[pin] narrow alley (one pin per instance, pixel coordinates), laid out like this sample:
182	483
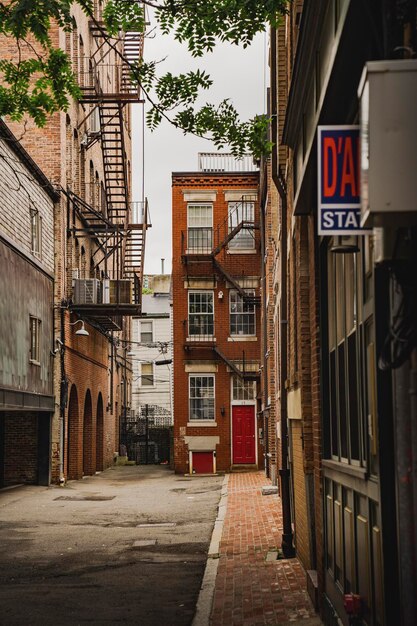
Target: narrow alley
130	546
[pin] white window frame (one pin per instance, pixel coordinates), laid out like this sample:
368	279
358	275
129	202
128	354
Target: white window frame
208	226
35	339
36	233
142	375
244	400
200	336
140	331
236	313
203	420
244	235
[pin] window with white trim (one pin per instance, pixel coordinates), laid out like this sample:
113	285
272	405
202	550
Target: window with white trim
35	333
200	313
147	375
243	389
36	233
242	212
242	314
146	334
200	227
201	397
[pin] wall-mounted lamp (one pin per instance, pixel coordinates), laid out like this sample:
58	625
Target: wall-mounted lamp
81	331
222	411
345	244
220	295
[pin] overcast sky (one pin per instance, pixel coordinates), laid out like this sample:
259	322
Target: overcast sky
238	74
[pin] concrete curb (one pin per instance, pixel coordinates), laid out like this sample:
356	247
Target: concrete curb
206	595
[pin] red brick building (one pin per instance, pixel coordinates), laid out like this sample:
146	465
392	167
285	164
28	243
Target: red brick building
98	242
216	318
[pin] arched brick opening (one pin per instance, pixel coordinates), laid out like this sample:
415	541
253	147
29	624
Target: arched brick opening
89	461
100	435
73	435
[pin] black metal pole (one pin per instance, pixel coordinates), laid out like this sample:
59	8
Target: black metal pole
146	435
284	472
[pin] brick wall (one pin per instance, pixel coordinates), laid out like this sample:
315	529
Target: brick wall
237	265
303	363
302	539
21	441
58	151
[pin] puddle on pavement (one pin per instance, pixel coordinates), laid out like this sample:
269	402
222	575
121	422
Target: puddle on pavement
85	498
157	525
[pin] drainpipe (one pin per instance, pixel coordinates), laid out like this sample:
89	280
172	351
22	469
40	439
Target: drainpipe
62	399
264	336
284	472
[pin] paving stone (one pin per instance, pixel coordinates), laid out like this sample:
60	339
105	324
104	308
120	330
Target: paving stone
253	587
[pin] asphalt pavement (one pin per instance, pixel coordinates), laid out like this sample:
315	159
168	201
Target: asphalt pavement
128	546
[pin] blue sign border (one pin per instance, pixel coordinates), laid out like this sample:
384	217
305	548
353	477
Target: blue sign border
340	206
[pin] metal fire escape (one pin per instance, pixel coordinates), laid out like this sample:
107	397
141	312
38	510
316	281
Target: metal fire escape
204	245
117	225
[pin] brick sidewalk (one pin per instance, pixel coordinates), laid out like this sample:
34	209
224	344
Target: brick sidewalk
249	590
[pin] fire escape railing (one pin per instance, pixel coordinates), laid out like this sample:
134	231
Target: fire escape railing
237	231
118	227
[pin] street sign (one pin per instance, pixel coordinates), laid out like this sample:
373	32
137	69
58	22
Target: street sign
339	203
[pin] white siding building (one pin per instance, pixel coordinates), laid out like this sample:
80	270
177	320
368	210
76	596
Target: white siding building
151	343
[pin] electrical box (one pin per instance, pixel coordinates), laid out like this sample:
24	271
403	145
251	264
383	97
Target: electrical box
388	130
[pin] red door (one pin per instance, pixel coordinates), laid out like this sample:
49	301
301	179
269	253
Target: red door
244	435
203	462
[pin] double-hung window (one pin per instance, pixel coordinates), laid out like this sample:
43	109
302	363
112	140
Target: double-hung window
200	228
200	314
241	217
36	233
147	378
344	374
201	395
146	335
242	314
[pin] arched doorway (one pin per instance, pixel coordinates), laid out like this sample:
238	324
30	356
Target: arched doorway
100	435
89	461
73	435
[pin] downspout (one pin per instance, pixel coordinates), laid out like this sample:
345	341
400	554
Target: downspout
264	335
284	472
62	399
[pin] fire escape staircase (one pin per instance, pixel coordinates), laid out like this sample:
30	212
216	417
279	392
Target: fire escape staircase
223	236
110	97
95	225
241	373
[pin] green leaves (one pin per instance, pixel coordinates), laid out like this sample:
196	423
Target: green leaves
38	80
124	15
37	87
221	124
200	23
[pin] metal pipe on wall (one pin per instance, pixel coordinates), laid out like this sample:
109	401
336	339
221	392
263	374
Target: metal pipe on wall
284	472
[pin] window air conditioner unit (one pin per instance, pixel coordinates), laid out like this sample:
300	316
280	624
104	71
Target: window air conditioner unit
117	291
86	291
94	122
